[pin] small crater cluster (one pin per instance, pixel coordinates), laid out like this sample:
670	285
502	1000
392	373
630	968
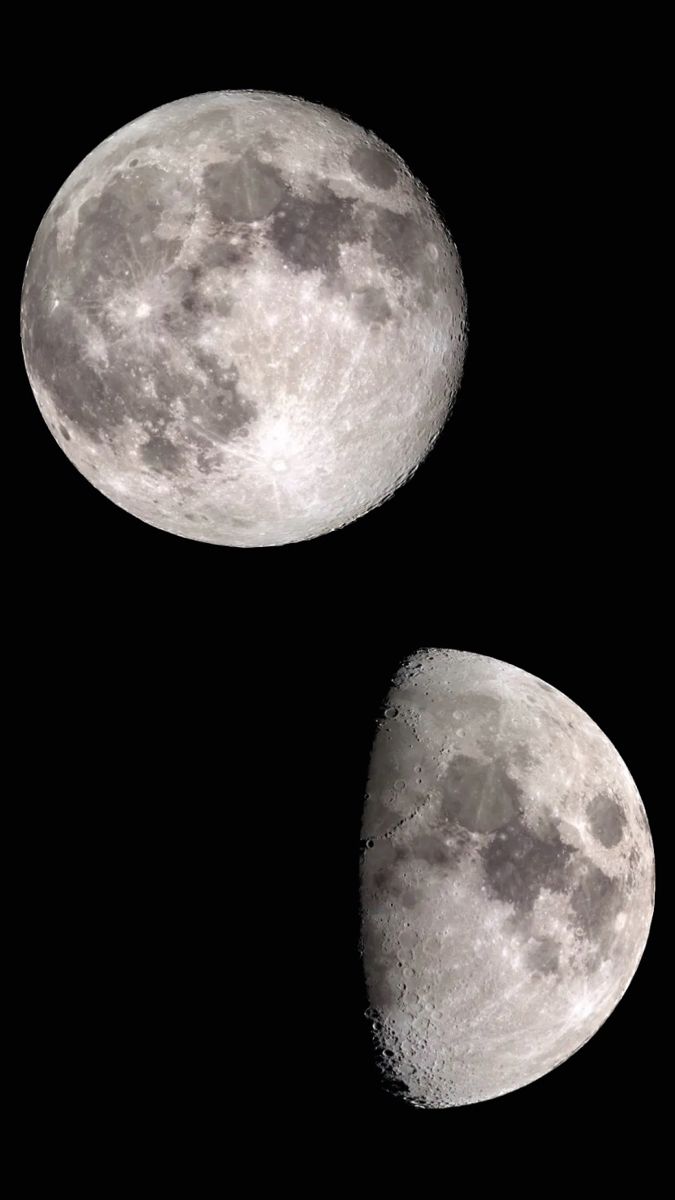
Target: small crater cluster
507	879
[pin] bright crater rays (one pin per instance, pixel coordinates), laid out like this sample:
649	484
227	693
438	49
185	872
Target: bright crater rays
243	319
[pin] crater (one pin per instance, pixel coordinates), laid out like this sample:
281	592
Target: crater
309	233
606	819
374	166
245	190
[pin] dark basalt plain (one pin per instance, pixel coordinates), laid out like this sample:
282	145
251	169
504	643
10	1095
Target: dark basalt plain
178	298
507	879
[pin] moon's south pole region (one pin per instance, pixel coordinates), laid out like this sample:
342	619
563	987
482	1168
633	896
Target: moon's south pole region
507	879
243	319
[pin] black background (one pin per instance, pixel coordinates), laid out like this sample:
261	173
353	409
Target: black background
200	717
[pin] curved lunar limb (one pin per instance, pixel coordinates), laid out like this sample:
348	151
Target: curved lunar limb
243	320
507	879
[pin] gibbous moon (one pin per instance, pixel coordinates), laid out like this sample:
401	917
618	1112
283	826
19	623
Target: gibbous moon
506	883
243	319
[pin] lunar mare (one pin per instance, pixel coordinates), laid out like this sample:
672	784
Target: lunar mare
243	319
507	879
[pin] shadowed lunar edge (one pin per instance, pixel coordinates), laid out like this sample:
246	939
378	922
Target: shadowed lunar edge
244	322
507	879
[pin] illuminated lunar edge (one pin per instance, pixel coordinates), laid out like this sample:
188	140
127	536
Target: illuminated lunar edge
507	879
243	320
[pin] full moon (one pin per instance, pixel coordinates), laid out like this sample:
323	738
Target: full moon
507	879
243	319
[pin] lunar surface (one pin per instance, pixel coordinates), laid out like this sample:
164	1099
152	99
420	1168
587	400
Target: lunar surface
507	879
243	319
